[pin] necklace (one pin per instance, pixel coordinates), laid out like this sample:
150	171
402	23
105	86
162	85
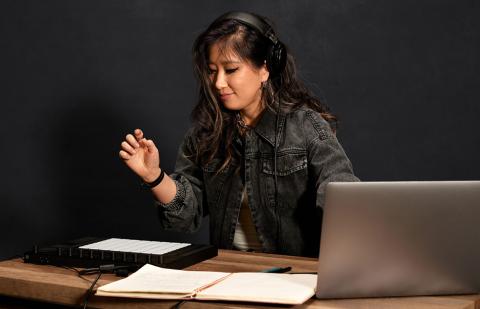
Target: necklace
242	123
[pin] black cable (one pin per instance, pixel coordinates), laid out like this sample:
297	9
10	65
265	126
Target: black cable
107	268
89	271
71	268
78	273
275	148
178	304
89	292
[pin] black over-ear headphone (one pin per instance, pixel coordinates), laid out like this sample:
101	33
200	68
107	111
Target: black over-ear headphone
277	54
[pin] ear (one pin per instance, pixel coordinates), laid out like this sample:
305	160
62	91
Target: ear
264	73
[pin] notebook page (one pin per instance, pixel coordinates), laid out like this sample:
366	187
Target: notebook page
153	279
263	287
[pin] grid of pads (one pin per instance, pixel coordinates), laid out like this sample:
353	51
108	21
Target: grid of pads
135	246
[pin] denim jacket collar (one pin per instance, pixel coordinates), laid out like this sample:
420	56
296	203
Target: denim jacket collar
266	125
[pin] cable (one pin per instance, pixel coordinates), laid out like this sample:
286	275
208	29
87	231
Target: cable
78	273
178	304
89	292
275	148
109	268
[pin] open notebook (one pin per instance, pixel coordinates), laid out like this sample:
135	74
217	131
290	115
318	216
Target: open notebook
162	283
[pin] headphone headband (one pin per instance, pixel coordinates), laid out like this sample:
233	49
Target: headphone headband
252	21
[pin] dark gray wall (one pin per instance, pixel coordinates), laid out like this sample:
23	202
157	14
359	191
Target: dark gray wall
76	76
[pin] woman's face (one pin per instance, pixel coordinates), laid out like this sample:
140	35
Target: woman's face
236	82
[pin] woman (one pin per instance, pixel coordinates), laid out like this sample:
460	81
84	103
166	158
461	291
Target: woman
260	152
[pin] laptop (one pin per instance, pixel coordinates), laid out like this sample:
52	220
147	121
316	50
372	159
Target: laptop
384	239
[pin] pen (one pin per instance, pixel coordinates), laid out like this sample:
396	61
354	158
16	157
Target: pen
277	270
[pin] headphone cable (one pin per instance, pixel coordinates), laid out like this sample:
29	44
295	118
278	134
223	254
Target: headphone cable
275	148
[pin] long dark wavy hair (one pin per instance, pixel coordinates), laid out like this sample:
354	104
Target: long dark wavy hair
214	126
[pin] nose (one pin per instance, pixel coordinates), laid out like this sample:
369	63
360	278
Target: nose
220	80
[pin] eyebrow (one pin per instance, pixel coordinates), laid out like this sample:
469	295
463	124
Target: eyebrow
226	62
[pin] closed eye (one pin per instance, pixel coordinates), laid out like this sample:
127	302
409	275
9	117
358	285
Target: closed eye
230	71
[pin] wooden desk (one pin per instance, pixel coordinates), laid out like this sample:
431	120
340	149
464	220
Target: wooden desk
62	286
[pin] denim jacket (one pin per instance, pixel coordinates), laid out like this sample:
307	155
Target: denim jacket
308	157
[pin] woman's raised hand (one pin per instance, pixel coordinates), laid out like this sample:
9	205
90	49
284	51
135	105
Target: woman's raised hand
141	156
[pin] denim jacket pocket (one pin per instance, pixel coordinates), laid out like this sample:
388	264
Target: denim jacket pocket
286	164
291	183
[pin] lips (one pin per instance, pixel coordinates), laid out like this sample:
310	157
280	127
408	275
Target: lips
225	96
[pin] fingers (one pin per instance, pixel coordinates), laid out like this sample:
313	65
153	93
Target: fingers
148	144
124	155
138	134
129	145
132	141
136	139
151	146
128	148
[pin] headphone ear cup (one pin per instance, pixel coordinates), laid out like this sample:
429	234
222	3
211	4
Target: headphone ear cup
276	59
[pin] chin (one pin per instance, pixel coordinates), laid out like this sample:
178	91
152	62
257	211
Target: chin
232	106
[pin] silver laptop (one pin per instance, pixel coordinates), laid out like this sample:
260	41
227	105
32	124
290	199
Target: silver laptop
400	239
